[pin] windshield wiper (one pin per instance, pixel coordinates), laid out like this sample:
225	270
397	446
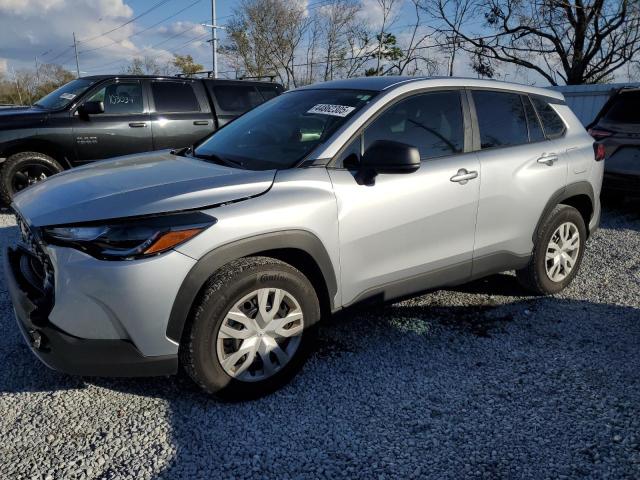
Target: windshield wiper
212	157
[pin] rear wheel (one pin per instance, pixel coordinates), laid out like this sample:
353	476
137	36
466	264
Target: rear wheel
24	169
252	328
557	253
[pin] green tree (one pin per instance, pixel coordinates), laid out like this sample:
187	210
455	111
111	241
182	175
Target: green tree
186	65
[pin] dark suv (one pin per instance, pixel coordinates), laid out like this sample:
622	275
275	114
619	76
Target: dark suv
93	118
617	131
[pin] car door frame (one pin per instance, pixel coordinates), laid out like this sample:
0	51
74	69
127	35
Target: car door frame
430	279
74	115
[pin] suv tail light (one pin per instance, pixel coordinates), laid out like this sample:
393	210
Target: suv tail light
599	151
599	134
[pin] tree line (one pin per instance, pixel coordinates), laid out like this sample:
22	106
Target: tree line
562	41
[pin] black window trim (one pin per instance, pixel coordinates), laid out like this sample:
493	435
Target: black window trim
152	102
525	98
466	118
100	85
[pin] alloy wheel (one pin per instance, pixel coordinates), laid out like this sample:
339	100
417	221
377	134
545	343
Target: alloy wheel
260	334
30	174
562	251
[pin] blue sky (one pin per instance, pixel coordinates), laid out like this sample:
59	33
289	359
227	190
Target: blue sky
112	32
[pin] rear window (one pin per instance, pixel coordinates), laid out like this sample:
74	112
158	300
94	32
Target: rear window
174	97
268	92
237	98
624	108
551	122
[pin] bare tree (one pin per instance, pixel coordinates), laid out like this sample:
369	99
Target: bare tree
570	41
389	17
268	34
413	59
338	20
146	66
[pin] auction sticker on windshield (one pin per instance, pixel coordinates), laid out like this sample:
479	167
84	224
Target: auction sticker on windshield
333	110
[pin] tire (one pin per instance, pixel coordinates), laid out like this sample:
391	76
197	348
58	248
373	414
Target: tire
21	164
537	275
204	346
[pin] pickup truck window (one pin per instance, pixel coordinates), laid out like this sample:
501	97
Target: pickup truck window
63	96
281	132
172	97
120	98
237	98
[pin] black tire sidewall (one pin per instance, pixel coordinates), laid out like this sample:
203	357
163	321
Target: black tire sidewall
565	214
211	313
18	161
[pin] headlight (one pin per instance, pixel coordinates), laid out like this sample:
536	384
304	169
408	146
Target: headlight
130	238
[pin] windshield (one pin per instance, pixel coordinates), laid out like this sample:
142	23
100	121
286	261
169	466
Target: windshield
282	131
63	96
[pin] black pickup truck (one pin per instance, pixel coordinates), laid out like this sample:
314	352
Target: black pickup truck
97	117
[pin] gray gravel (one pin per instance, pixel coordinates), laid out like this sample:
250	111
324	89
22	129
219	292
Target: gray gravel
477	382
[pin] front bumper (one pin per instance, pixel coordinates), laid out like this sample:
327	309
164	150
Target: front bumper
67	353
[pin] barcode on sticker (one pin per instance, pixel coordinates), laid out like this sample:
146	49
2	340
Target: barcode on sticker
334	110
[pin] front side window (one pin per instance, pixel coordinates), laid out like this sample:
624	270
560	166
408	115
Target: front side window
551	122
120	98
431	122
501	119
281	132
174	97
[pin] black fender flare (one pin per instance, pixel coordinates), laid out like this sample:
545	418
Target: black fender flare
568	191
220	256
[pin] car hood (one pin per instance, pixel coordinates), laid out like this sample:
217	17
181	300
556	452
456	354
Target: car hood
150	183
16	117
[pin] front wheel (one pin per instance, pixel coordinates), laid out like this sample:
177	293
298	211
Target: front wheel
557	252
251	329
24	169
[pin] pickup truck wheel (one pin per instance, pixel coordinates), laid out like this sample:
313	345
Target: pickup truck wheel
251	329
22	170
557	252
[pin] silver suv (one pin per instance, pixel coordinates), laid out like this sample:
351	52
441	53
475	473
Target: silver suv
223	257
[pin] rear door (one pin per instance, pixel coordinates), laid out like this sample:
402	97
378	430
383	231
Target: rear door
180	113
522	168
122	129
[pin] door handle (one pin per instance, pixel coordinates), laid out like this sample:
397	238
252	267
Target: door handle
137	124
463	176
201	122
549	159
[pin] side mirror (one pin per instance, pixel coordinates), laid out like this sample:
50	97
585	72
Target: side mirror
386	156
91	108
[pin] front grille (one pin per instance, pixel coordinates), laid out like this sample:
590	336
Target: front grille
41	274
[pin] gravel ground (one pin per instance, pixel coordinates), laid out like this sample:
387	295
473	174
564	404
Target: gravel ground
480	381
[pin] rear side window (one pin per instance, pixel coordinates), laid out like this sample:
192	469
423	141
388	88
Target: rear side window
268	92
431	122
237	98
501	119
535	129
624	108
551	122
174	97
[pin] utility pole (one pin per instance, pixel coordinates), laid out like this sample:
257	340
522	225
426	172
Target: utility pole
75	47
214	38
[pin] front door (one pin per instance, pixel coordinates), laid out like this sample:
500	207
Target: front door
122	129
404	233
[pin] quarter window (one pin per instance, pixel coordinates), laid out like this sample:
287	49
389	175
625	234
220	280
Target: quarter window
431	122
120	98
237	98
174	97
501	119
551	122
